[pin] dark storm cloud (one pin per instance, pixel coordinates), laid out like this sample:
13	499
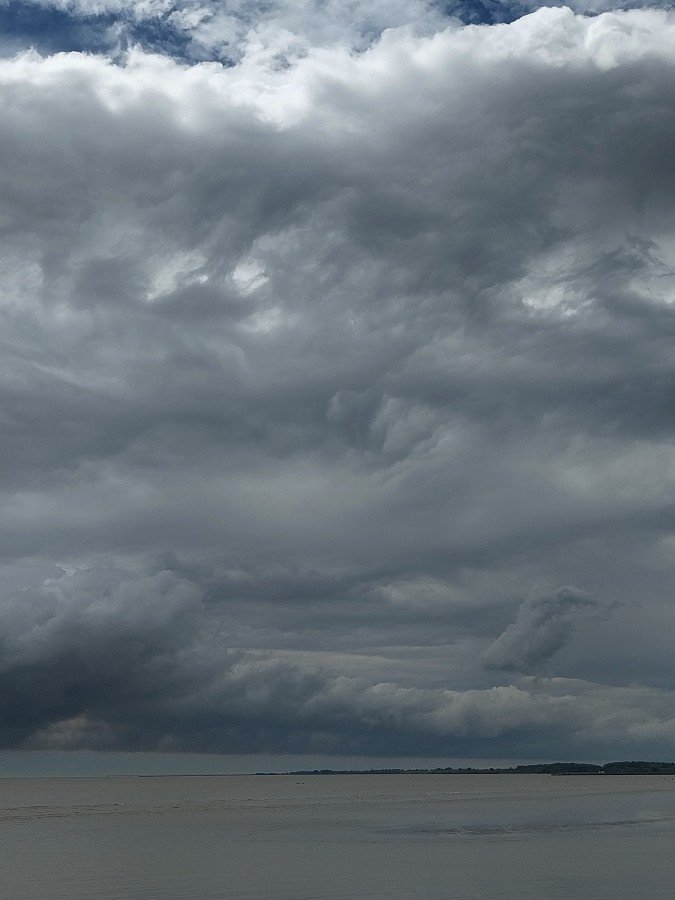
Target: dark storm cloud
135	660
311	372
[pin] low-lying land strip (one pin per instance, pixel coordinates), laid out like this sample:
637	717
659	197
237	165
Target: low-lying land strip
639	767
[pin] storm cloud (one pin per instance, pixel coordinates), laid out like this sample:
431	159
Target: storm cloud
315	364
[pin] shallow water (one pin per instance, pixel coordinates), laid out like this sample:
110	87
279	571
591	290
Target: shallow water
455	837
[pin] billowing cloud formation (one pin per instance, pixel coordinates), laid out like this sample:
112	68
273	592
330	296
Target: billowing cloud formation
311	371
132	660
542	627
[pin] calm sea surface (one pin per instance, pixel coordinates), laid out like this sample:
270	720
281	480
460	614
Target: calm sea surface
455	837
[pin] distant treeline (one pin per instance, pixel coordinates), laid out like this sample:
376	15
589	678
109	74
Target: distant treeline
635	767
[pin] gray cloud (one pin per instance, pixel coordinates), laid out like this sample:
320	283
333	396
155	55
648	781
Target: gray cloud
542	627
311	372
137	660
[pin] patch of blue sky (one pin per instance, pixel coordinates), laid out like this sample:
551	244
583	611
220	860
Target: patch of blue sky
486	12
158	35
48	30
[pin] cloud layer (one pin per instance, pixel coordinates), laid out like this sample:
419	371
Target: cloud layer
316	366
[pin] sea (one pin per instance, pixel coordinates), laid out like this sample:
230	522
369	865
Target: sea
323	837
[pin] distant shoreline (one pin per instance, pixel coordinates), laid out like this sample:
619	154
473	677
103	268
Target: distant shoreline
635	767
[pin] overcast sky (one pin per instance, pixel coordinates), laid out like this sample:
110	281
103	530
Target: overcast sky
337	378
